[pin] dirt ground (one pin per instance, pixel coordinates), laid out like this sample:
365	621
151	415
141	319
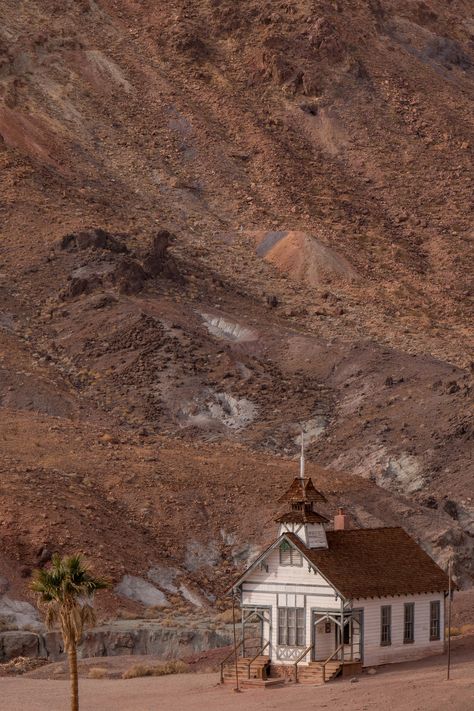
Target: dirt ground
419	686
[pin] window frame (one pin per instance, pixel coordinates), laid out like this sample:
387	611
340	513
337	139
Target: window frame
409	623
435	605
295	558
291	626
385	626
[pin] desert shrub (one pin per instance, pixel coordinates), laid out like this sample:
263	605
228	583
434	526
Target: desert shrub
226	617
168	622
137	670
8	624
174	667
128	615
97	673
155	611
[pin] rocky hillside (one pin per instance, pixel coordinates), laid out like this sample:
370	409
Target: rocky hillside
220	222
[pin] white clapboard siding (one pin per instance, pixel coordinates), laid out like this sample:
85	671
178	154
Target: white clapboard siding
291	586
375	653
287	575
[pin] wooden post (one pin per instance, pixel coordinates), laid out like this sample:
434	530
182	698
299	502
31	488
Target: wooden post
450	568
235	646
352	634
342	634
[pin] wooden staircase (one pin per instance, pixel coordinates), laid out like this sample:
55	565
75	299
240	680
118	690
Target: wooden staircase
256	668
312	673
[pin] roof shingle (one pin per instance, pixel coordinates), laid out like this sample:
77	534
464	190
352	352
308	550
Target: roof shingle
375	562
302	490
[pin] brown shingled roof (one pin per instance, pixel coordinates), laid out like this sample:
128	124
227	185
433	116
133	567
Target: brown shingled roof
302	490
375	562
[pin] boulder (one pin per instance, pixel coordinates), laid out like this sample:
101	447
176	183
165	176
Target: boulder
18	613
16	643
129	276
95	238
164	577
141	591
158	261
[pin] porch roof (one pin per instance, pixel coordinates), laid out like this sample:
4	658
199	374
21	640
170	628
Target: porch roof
375	562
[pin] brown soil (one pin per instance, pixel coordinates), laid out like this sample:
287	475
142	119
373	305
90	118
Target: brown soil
346	127
418	686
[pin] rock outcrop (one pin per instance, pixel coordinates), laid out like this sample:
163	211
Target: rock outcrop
117	638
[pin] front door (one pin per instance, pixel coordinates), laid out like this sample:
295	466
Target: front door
323	637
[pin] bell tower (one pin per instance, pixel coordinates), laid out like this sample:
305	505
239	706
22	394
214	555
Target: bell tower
302	520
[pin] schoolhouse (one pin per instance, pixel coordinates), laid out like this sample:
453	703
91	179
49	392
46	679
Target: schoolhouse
324	599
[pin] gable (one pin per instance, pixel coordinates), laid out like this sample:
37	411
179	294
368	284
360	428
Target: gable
269	568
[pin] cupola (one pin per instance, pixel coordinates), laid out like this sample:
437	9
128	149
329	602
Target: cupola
302	519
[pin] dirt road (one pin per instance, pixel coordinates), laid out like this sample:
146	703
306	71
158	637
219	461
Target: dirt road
409	687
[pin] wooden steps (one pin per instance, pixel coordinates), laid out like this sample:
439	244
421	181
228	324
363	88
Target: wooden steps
312	673
261	683
242	667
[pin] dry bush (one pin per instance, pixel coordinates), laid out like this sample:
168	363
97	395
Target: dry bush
455	631
226	617
8	626
127	615
181	609
168	622
137	670
97	673
174	667
155	611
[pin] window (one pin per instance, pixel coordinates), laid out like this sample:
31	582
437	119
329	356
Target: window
409	623
291	626
386	625
435	619
289	555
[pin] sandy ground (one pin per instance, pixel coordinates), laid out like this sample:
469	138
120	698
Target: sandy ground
420	686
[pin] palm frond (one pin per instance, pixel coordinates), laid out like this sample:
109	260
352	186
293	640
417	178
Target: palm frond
65	590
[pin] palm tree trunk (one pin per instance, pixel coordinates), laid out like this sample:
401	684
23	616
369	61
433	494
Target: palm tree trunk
72	656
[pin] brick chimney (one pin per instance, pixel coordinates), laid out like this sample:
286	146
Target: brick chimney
341	520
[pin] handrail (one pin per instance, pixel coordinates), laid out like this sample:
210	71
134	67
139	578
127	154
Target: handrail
303	654
262	649
323	664
232	652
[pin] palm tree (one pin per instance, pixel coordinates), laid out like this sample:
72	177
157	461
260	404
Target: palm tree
65	591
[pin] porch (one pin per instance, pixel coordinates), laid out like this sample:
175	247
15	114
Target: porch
264	650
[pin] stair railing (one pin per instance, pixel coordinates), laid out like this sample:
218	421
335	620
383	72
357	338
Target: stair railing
336	651
262	649
232	652
303	654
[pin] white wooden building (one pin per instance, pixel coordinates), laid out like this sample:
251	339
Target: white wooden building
324	599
